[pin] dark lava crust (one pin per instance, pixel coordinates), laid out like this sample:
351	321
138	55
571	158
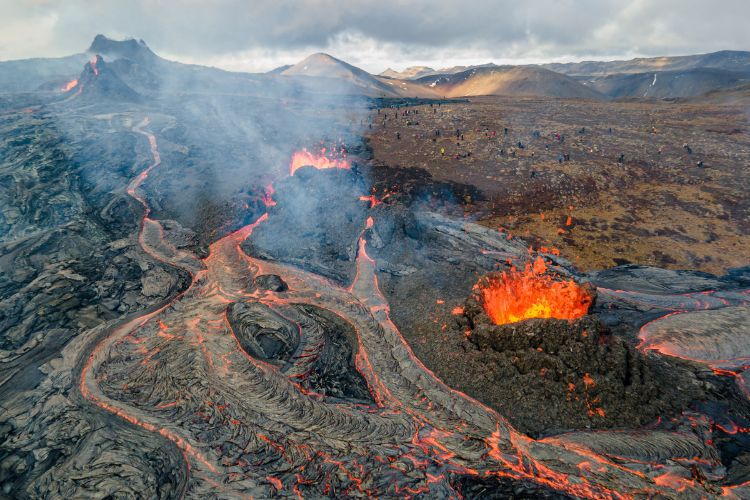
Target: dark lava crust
275	337
583	373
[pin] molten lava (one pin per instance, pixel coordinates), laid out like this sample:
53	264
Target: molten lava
531	293
321	160
70	85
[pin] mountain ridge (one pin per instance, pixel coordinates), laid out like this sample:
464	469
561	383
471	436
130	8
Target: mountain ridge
145	72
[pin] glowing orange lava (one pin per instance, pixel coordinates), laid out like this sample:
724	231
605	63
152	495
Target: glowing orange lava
531	293
70	85
319	160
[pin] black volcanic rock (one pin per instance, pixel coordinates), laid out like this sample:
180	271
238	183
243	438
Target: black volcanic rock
271	282
277	338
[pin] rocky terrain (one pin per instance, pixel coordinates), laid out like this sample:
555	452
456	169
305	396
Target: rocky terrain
664	204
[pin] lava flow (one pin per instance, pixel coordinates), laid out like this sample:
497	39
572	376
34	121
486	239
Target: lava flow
225	394
321	160
69	85
517	295
92	63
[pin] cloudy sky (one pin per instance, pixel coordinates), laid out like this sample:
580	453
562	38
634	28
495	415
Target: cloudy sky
253	35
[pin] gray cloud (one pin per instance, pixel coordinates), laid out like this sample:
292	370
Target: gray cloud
254	35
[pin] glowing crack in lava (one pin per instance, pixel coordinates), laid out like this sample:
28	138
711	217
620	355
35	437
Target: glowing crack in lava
322	160
531	293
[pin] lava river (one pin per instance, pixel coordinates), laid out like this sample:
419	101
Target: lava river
248	427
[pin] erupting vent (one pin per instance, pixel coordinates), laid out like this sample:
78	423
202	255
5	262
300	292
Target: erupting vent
531	293
321	160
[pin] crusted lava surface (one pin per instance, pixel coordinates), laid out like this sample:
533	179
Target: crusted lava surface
587	376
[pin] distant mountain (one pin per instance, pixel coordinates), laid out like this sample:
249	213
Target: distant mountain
417	72
655	77
730	60
342	77
410	73
666	84
279	70
508	80
133	71
327	66
461	69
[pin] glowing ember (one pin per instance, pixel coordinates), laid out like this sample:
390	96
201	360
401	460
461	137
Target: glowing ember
70	85
319	160
531	293
373	201
268	192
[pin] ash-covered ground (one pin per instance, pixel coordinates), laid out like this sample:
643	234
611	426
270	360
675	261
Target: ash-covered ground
184	315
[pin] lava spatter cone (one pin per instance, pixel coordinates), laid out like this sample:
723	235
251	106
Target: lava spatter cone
518	309
540	341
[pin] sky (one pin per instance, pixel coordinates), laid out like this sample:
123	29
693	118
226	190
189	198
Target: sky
250	35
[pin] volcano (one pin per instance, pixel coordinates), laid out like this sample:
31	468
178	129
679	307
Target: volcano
321	283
